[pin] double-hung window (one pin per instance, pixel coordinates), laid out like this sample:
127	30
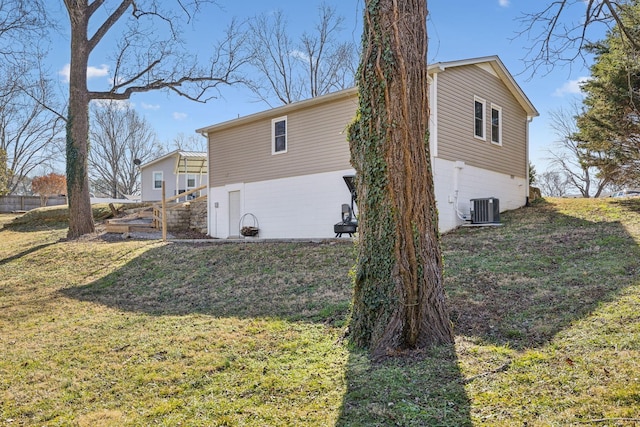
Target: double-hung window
496	124
157	180
191	181
279	135
479	117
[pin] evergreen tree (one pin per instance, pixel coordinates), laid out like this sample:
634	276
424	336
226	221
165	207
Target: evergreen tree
609	127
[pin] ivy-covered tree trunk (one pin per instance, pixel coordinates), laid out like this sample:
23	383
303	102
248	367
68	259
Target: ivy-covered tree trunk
399	296
80	215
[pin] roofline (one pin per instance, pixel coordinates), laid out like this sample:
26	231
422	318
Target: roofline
502	71
169	155
282	110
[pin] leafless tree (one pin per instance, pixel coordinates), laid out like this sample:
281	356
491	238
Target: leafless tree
26	126
573	160
189	142
29	130
150	55
560	41
22	24
292	69
553	183
118	137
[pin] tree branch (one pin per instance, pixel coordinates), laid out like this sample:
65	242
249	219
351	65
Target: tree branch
108	23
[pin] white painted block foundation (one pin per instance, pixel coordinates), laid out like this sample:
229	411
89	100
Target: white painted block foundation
308	206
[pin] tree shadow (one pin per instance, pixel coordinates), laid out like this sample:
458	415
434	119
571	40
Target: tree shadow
510	290
420	389
298	283
295	282
516	285
19	255
630	204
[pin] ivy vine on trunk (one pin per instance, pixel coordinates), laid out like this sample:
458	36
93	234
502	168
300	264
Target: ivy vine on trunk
399	295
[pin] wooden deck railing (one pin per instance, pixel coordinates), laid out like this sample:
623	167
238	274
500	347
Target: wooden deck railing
159	210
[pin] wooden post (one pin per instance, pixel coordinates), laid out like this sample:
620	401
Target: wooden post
164	215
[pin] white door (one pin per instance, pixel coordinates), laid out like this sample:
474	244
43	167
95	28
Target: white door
234	213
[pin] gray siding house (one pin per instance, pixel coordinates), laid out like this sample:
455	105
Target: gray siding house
180	170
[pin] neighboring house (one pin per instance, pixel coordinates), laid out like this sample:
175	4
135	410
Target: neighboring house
286	165
180	170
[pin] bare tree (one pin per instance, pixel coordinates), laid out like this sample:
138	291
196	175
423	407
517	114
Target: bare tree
556	41
150	55
22	24
119	136
330	64
26	126
28	129
553	183
292	70
572	159
189	142
398	299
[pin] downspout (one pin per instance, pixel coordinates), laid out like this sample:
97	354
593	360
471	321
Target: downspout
206	135
526	144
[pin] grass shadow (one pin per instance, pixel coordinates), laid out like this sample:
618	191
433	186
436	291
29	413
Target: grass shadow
426	389
630	204
19	255
296	282
522	283
517	285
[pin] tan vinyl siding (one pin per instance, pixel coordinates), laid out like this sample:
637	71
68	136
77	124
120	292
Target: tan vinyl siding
456	90
316	142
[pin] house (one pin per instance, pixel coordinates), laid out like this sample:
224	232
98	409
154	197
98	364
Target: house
285	166
180	170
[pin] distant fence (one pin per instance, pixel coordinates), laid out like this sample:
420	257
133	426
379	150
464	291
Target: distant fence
26	203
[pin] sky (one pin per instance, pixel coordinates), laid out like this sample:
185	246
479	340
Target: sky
457	29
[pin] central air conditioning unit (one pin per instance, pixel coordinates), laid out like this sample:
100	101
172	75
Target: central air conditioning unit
485	211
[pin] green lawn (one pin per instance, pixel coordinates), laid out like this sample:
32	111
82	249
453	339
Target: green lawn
104	332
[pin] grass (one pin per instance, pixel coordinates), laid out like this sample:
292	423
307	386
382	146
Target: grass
546	311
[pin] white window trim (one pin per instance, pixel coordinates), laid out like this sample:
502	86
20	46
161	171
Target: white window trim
195	181
484	118
499	110
153	179
273	135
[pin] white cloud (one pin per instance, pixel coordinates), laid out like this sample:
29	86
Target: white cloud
101	71
146	106
504	3
179	116
572	87
120	104
66	70
298	54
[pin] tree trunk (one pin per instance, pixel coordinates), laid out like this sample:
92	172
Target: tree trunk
80	214
399	294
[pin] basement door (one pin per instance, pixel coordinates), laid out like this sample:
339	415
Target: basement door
234	214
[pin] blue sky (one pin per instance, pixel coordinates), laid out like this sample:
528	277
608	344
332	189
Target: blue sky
458	29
